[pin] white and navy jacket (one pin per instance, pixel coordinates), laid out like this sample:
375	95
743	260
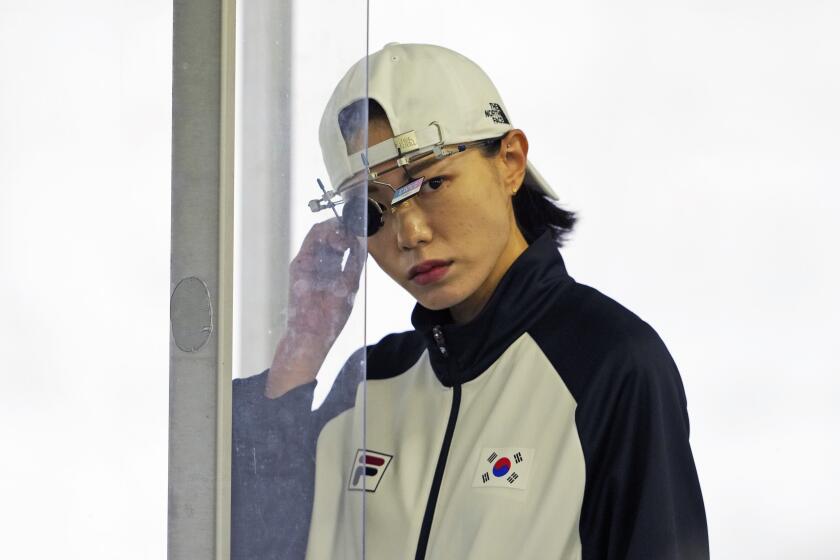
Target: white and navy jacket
552	426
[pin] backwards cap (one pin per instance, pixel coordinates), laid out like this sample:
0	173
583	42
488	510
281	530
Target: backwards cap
431	95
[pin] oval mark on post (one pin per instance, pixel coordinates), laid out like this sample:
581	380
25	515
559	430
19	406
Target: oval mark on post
191	314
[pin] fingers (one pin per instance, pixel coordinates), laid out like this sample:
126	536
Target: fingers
332	234
337	236
329	232
322	250
317	268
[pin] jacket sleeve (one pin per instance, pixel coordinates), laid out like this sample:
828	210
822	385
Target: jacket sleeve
642	499
272	474
273	470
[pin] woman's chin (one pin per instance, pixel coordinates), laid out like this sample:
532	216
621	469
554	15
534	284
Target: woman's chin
438	299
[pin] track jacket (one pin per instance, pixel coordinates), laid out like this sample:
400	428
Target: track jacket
552	426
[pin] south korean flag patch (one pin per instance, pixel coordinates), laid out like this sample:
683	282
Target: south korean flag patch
504	467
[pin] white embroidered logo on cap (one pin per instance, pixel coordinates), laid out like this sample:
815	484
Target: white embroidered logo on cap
503	467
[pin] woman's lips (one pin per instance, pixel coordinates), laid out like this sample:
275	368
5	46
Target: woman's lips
428	272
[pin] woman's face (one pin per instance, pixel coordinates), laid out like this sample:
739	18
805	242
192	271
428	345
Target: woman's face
450	245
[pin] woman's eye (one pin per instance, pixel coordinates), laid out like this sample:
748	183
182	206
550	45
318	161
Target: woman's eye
434	183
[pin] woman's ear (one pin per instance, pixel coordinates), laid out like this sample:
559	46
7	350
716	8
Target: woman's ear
513	156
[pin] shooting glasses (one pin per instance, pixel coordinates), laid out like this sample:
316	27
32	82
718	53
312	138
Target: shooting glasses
364	216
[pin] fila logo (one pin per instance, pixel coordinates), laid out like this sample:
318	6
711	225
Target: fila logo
367	469
504	467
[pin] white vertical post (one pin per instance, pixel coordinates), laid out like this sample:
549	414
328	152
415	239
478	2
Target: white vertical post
201	279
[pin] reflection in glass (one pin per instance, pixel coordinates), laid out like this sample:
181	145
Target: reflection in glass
299	295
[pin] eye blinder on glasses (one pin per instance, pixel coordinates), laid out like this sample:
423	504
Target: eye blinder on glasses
353	213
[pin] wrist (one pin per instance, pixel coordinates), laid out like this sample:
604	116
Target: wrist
297	359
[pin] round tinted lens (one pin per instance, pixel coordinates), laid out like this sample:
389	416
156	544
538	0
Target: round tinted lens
361	216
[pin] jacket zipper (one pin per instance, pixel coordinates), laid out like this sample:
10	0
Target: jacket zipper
437	334
431	503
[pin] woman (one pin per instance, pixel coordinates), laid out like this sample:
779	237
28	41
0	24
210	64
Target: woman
525	415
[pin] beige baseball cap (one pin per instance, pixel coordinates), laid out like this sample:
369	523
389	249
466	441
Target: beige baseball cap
432	97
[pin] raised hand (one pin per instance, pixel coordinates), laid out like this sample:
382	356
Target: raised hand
321	296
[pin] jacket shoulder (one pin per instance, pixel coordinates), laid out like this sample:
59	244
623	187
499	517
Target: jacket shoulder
389	357
394	354
587	336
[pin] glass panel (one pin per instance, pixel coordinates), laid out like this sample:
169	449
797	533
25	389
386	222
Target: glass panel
299	289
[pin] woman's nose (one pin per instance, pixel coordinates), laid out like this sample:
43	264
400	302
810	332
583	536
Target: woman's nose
412	225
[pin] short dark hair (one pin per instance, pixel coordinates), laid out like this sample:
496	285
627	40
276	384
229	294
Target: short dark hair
534	212
354	117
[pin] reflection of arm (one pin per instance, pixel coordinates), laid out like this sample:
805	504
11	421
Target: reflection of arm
273	470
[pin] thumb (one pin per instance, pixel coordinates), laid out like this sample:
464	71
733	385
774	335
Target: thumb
353	268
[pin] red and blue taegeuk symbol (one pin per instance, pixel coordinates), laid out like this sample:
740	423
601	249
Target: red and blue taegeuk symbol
501	467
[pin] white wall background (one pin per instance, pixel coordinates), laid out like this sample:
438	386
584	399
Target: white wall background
698	140
85	124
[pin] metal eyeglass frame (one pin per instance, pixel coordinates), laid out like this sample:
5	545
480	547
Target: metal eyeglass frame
332	198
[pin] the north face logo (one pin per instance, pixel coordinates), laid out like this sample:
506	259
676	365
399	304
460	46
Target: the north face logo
497	114
367	470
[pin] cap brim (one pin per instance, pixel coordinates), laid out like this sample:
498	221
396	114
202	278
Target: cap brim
535	181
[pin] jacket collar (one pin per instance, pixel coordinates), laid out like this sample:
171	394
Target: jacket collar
460	353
